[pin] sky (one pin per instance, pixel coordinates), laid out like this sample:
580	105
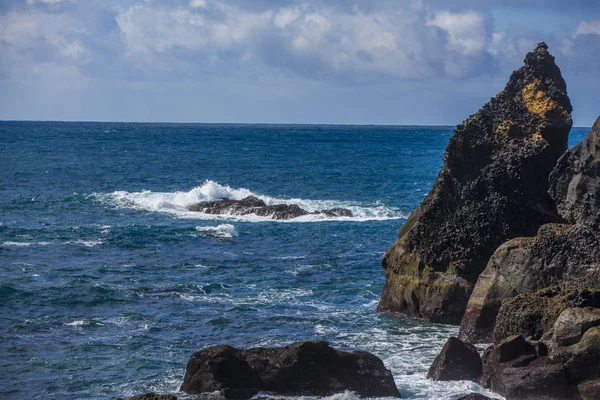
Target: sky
405	62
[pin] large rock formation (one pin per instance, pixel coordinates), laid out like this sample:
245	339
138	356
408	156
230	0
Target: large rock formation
492	188
575	182
560	254
253	205
300	369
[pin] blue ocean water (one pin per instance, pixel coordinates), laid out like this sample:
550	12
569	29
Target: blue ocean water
108	285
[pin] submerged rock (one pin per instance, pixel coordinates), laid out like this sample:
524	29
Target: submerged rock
492	187
457	361
253	205
299	369
575	182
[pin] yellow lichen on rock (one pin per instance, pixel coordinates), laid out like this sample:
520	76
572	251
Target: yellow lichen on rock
536	101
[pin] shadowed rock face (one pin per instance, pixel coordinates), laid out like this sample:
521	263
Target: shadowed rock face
255	206
575	182
300	369
457	361
493	187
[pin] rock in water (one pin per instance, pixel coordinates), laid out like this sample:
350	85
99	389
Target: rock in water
575	182
256	206
457	361
300	369
493	187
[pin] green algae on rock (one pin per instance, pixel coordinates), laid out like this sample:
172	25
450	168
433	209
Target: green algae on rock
492	188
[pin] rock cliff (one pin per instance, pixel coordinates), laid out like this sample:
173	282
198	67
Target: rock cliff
566	255
492	187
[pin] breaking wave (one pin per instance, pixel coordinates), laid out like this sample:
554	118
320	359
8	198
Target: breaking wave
177	202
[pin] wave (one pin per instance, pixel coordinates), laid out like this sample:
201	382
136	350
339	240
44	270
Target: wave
177	202
221	231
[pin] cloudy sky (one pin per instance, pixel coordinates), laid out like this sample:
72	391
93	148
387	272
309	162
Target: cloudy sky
285	61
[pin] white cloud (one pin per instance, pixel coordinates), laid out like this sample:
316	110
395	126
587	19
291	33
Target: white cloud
30	31
466	31
588	28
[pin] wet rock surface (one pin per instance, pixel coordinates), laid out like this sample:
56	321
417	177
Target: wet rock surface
299	369
253	205
492	187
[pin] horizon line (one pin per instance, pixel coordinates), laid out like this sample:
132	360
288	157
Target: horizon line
234	123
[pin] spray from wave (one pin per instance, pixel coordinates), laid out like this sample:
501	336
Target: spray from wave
177	203
221	231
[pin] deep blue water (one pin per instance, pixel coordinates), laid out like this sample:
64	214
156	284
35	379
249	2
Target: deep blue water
107	284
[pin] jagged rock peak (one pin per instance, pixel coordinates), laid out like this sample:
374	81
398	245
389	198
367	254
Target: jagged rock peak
492	188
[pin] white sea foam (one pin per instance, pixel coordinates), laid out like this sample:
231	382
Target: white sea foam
177	203
24	244
86	243
220	231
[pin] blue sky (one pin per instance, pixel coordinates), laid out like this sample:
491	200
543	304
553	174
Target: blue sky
427	62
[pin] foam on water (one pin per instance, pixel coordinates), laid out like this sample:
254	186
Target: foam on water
221	231
177	202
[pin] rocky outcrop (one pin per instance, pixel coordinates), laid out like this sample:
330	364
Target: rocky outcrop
560	255
300	369
570	370
457	361
253	205
492	188
534	314
575	182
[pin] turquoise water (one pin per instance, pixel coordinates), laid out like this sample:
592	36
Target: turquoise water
108	285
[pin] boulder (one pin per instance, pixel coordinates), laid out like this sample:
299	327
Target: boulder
492	188
221	368
539	379
589	390
560	255
456	361
253	205
572	323
575	181
584	360
300	369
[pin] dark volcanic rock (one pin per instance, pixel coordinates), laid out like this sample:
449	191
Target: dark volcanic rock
514	347
474	396
300	369
560	255
493	187
254	205
154	396
575	182
221	368
456	361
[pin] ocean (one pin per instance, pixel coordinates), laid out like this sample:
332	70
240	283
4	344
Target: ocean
108	284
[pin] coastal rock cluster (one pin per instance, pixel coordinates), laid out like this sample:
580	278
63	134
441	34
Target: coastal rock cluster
254	205
508	244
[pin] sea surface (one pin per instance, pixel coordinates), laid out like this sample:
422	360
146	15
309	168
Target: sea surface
108	284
